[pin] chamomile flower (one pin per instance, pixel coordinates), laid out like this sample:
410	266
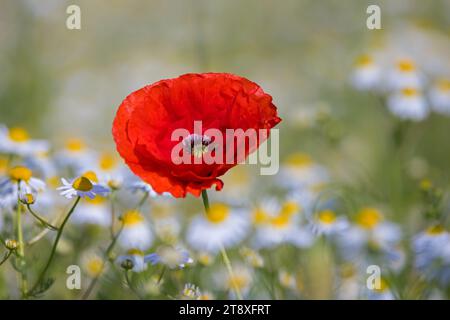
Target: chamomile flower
82	187
252	257
366	74
432	254
440	97
190	292
369	235
408	104
326	222
109	170
242	278
222	226
136	232
17	141
277	223
19	178
381	293
94	211
170	257
75	156
405	74
300	171
93	264
134	258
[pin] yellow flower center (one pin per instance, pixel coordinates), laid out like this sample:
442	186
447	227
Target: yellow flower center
383	286
218	212
20	173
327	216
238	281
53	181
260	216
18	134
289	209
435	230
136	252
75	145
132	217
425	184
368	218
281	221
444	85
82	184
107	162
410	92
364	60
406	66
96	201
3	165
94	266
299	160
91	176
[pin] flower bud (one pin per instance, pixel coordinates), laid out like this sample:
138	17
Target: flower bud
11	244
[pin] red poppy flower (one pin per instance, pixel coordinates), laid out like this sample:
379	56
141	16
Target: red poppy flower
147	118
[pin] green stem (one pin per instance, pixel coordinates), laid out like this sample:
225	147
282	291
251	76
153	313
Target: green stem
161	275
55	245
21	247
41	220
226	260
105	257
7	255
130	285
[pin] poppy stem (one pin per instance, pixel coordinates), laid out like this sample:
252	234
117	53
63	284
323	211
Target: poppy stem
225	258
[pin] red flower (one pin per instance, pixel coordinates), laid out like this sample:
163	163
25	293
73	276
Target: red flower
146	119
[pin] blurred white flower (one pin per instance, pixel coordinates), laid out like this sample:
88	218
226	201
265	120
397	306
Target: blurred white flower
440	97
405	74
408	104
221	226
169	256
136	233
92	211
366	74
17	141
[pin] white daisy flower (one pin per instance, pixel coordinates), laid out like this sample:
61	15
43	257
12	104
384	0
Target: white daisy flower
93	212
134	259
366	74
326	222
170	257
278	223
300	171
93	264
17	141
408	104
404	75
370	234
221	226
242	279
190	292
75	156
381	293
136	233
440	97
82	187
432	254
19	177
